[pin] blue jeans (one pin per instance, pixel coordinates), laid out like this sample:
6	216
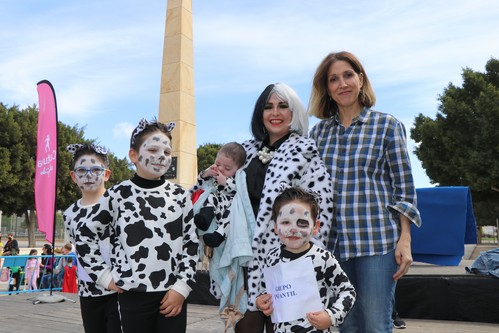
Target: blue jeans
58	278
372	278
46	280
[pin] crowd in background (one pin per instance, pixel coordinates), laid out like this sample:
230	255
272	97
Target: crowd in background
54	269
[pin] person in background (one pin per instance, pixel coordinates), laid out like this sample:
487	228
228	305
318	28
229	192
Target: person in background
278	152
46	265
11	247
397	321
1	247
32	269
295	214
16	276
366	154
69	282
90	172
67	249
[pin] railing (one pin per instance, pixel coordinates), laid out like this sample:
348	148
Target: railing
488	234
14	279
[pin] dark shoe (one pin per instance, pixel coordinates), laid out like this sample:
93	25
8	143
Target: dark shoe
213	239
398	323
203	219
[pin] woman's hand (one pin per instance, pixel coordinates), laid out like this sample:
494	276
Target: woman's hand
264	304
319	319
171	304
403	255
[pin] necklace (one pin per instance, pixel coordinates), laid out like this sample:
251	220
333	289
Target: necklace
265	155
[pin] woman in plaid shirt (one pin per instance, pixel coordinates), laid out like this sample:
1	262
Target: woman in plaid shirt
365	152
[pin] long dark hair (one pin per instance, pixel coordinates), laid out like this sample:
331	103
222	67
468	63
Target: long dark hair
257	128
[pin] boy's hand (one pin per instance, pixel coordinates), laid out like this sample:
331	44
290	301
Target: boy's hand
171	304
113	286
264	304
320	319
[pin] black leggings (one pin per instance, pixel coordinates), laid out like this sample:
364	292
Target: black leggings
100	314
15	281
139	312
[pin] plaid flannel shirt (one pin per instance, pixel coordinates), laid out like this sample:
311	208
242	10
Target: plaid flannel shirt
372	182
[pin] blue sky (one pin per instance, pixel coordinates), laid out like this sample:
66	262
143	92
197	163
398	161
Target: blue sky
104	57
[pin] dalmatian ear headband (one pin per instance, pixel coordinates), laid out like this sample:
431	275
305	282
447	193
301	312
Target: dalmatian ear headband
284	186
143	124
75	147
170	126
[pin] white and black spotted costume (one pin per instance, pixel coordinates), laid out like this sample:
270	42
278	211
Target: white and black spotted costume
336	292
76	220
297	163
153	240
219	199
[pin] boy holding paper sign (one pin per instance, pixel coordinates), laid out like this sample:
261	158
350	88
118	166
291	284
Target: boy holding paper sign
283	296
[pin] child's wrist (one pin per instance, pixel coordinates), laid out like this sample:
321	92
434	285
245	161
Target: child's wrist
203	174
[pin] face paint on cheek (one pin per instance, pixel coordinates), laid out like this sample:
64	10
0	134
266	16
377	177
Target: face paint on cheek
294	225
290	232
99	180
88	182
154	155
168	162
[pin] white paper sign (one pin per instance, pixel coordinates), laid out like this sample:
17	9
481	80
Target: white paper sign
294	290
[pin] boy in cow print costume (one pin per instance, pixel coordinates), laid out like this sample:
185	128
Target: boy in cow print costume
153	238
295	214
90	171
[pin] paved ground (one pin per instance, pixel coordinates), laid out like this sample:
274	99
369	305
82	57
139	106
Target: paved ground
19	314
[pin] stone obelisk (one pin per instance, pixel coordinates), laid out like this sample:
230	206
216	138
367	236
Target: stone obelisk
176	102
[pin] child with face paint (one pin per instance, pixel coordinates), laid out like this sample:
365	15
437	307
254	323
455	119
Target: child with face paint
153	238
295	214
219	181
90	171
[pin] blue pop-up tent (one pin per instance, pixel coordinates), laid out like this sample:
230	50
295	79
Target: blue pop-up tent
448	224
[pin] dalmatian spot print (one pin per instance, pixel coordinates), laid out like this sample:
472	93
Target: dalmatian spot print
297	163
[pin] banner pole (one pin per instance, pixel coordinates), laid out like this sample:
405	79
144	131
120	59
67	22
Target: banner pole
55	193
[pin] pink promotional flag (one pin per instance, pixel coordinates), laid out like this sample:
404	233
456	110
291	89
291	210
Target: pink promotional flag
46	160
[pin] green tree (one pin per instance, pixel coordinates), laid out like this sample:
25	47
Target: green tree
207	154
120	169
461	145
9	133
19	155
